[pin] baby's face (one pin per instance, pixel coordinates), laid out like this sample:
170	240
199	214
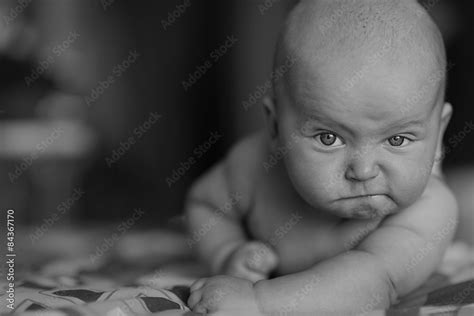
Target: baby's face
362	149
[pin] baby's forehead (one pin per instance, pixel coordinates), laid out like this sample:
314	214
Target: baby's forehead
357	74
383	91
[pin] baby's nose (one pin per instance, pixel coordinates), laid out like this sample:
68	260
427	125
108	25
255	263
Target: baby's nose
362	168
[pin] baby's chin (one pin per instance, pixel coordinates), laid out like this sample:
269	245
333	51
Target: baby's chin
367	207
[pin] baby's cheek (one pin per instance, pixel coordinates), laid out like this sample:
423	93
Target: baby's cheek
314	180
324	178
409	187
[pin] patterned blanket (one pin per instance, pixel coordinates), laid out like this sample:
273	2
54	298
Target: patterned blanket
78	273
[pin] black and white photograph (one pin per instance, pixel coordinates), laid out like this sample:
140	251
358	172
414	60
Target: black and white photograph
236	157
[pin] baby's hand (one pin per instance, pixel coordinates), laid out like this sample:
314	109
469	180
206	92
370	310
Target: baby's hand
252	261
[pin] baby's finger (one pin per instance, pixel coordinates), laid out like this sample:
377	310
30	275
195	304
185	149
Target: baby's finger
194	298
248	274
255	277
263	261
197	284
200	308
270	261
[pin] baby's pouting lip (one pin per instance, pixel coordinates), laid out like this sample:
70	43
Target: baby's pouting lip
367	205
363	196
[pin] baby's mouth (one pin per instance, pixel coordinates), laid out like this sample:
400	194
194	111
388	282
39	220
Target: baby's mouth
362	196
367	205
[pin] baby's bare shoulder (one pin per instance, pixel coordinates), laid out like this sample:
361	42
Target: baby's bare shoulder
243	165
232	178
247	155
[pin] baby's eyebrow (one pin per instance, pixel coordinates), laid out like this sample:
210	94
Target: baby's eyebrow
402	124
315	118
397	125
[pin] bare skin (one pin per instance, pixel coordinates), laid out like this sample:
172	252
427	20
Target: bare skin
316	240
352	205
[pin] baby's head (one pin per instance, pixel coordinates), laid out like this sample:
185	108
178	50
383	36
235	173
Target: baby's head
362	107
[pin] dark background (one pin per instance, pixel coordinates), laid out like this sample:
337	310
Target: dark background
109	30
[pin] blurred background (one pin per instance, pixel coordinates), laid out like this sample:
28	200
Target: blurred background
107	106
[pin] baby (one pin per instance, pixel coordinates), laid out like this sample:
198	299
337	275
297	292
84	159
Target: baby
339	206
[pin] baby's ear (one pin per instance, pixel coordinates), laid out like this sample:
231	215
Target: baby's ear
446	114
270	116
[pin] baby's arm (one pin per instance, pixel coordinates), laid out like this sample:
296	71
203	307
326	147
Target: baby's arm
392	261
213	218
215	207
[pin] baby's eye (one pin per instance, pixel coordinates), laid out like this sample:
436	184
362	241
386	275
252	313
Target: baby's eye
398	141
329	139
